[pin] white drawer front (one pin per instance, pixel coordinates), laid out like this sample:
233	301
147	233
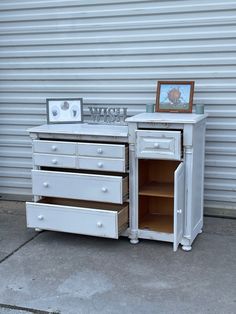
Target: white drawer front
51	160
102	164
80	186
159	144
89	221
55	147
101	150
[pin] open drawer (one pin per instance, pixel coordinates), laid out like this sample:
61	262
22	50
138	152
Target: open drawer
77	185
89	218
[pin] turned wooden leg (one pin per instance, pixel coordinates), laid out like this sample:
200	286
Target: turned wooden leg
133	237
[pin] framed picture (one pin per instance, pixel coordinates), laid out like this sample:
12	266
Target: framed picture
173	96
64	110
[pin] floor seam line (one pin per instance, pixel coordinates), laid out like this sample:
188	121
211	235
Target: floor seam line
26	309
18	248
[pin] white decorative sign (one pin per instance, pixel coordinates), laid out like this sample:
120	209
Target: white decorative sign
108	114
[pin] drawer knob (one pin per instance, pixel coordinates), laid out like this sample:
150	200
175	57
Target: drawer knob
100	164
40	217
54	161
45	184
156	145
54	147
100	151
179	211
104	189
99	224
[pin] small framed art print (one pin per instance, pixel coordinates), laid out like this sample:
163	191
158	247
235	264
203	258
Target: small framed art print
175	96
64	110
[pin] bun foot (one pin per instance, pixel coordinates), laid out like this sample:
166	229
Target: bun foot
38	229
134	241
186	248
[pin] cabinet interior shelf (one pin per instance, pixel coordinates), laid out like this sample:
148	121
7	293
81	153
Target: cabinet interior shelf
157	189
155	222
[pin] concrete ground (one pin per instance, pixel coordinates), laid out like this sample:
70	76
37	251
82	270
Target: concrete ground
52	272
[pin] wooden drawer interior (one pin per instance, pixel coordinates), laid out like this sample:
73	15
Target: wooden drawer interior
80	203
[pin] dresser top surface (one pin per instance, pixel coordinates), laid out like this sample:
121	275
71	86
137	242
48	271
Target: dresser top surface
160	117
82	129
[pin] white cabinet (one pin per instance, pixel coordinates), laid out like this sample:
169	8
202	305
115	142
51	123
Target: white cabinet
166	155
79	180
144	180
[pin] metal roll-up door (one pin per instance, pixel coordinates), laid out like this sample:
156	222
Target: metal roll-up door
114	51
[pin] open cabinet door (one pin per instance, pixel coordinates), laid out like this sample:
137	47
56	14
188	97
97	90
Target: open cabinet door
179	189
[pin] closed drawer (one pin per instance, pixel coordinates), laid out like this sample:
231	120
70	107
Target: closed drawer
52	160
55	147
102	164
102	188
90	218
102	150
158	144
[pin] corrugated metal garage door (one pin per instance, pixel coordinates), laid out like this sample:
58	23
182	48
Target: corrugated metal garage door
114	52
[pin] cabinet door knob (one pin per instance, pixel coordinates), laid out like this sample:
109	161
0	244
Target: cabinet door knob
54	161
100	164
40	217
54	147
179	211
45	184
104	189
99	224
100	151
156	145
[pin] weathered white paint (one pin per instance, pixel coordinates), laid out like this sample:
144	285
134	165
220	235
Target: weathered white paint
95	187
80	201
188	177
179	204
159	144
76	219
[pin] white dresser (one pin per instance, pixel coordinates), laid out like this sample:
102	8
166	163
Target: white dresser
144	180
166	153
80	179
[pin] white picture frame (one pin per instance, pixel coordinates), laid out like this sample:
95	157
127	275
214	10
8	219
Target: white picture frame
66	110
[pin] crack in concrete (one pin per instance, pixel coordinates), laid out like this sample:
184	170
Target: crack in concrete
17	249
26	309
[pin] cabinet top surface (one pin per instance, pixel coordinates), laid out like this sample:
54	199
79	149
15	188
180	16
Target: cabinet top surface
160	117
82	129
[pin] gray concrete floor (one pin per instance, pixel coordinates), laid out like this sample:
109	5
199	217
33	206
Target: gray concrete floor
52	272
